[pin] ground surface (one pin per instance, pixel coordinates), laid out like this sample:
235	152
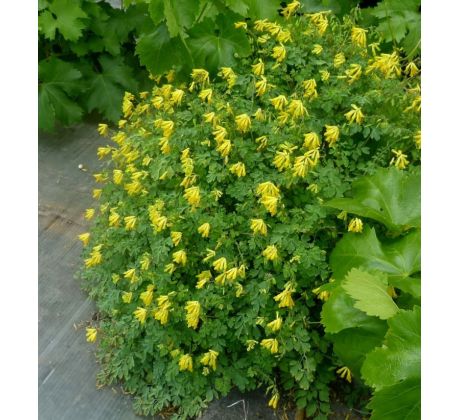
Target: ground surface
67	367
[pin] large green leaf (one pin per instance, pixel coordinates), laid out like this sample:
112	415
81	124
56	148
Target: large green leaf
66	16
399	258
180	15
106	89
214	44
352	344
370	293
263	9
159	52
399	358
401	401
390	196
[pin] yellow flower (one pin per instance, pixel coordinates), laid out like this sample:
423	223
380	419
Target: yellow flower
313	188
204	230
114	218
353	73
95	257
317	49
301	166
279	102
103	130
103	151
297	109
345	373
270	203
220	264
206	95
290	9
210	117
130	275
259	226
261	86
250	344
239	25
262	141
200	76
84	237
273	403
268	188
170	268
355	225
270	253
117	176
310	88
418	139
193	309
145	262
211	254
180	257
209	359
162	312
331	134
259	115
270	344
130	222
322	295
220	279
176	237
239	169
122	123
192	195
232	274
354	115
91	335
358	36
203	278
411	69
339	59
279	53
140	314
243	123
399	160
147	296
186	363
282	160
311	140
284	298
126	297
176	96
259	68
224	148
97	193
239	289
324	75
219	134
276	324
217	194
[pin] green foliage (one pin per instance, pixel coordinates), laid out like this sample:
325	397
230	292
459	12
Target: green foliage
206	243
386	355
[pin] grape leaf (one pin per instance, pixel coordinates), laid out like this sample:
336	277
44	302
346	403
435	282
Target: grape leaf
180	15
159	52
106	89
370	293
393	28
399	358
65	16
238	6
214	44
399	258
156	11
390	196
263	9
400	401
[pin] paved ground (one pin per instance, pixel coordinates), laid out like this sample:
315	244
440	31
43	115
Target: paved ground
67	367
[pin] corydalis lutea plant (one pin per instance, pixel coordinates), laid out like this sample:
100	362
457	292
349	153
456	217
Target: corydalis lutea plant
211	234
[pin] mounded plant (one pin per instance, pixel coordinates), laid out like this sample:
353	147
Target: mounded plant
211	233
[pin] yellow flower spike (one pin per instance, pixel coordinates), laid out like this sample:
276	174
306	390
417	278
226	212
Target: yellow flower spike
216	194
358	36
103	130
345	373
180	257
311	140
95	257
282	160
301	166
203	278
418	139
186	363
103	151
97	193
122	123
310	89
259	115
279	102
232	274
262	141
84	237
210	117
192	195
270	253
399	160
115	278
354	115
239	169
353	73
258	226
200	76
324	75
313	188
220	264
270	203
339	59
176	237
170	268
317	49
210	254
176	96
204	229
331	135
219	134
250	344
297	109
126	297
261	86
228	75
210	359
145	262
130	275
273	403
276	324
224	148
114	218
140	314
355	225
285	299
259	68
239	25
89	214
342	215
284	36
270	344
411	69
221	278
206	95
242	271
239	289
91	334
193	309
279	53
130	222
290	9
157	102
117	176
243	123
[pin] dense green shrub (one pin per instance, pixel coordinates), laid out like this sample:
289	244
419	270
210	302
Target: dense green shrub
211	231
